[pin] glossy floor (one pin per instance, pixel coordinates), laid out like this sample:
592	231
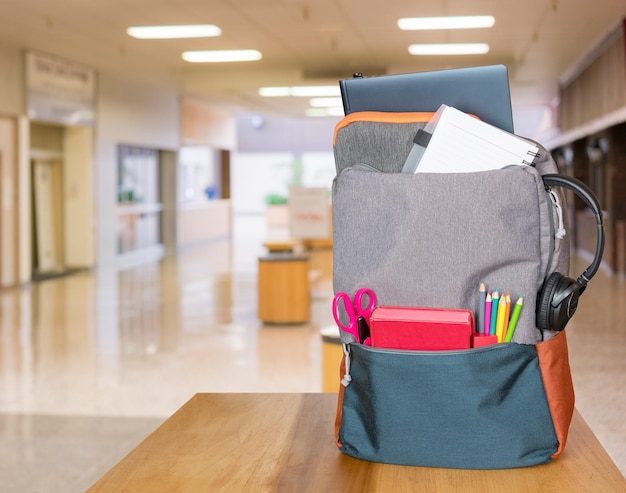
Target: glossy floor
91	363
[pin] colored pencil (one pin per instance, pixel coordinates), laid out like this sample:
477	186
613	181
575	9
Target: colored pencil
500	320
507	315
487	314
514	318
481	307
495	299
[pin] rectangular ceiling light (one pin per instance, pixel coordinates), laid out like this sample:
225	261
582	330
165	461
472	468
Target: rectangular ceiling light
452	22
173	32
325	102
315	91
215	56
301	91
449	49
322	112
275	92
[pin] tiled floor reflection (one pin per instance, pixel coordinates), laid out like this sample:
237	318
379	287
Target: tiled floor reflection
90	364
46	453
597	353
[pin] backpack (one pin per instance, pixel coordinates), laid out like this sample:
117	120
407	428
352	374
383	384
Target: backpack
429	240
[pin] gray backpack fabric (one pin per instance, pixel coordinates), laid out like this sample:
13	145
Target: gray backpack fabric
430	239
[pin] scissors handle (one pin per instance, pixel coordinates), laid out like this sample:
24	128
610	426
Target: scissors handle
358	302
351	327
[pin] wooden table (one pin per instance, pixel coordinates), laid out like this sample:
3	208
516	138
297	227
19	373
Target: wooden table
285	443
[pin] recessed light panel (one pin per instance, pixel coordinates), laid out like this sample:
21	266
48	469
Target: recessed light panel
275	92
215	56
173	32
326	102
449	49
301	91
315	91
452	22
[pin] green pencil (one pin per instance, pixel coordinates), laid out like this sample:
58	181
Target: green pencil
514	318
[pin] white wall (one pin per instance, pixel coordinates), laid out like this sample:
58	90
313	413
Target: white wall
266	134
78	197
14	251
11	80
128	112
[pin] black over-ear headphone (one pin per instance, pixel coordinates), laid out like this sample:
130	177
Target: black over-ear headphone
558	299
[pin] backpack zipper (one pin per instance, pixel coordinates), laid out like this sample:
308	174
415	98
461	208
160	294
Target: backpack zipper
444	352
347	349
555	232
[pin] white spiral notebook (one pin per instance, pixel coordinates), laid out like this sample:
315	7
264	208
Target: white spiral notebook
461	143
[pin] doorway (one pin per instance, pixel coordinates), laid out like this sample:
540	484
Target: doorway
62	209
47	217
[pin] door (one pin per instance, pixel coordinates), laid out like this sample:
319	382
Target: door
47	216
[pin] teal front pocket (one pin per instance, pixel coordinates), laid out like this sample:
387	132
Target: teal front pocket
483	408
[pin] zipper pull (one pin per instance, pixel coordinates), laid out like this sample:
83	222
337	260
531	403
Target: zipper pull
347	378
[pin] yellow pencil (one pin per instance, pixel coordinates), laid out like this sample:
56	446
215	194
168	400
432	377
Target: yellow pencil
500	320
507	315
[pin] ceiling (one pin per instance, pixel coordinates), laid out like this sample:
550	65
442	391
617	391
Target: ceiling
310	41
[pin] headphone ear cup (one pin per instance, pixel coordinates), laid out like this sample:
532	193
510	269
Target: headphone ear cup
562	313
544	306
556	317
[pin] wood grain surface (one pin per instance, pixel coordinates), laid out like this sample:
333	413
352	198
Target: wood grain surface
285	443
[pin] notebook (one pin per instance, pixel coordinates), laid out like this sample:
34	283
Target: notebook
481	91
461	143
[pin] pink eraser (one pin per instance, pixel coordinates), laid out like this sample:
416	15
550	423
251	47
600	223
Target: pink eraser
479	340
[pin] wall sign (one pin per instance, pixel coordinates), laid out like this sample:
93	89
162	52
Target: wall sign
309	213
59	90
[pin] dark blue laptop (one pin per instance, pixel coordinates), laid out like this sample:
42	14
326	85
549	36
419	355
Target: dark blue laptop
480	91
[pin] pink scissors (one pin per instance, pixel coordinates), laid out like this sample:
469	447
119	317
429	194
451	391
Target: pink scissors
358	316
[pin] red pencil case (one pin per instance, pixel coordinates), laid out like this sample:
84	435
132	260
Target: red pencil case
421	328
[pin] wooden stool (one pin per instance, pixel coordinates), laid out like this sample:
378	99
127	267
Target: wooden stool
283	289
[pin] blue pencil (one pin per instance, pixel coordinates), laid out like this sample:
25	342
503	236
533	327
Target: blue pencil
494	312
